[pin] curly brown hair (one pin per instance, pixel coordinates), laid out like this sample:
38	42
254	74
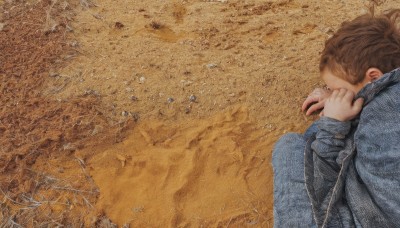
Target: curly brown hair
365	42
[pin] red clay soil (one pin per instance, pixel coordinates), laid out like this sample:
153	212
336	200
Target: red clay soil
32	125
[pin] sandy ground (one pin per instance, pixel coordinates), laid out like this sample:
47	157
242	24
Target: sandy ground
206	88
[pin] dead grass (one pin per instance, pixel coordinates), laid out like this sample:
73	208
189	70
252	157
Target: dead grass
32	124
87	4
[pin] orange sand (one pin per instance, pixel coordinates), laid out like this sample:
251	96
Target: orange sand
212	172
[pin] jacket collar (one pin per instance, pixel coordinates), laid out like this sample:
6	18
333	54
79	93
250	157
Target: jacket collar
371	90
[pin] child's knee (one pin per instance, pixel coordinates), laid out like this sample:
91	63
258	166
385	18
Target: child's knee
288	145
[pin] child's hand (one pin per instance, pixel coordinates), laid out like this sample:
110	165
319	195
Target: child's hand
340	105
318	97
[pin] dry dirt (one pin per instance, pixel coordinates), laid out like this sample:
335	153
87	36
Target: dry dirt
153	113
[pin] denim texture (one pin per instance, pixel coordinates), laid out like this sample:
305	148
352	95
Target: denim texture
292	208
351	169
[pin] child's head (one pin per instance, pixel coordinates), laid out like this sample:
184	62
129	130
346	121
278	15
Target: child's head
362	48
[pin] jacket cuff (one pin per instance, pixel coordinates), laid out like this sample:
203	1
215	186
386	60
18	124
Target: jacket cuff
339	129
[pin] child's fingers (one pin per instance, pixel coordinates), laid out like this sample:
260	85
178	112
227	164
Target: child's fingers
308	101
314	108
349	96
342	92
357	106
334	94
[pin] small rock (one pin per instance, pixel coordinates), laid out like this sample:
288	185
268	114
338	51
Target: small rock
192	98
170	100
74	44
97	129
129	90
135	116
61	170
91	92
329	30
69	147
186	82
156	25
69	28
2	26
125	113
98	16
211	65
105	222
138	209
119	25
142	80
134	98
187	110
53	74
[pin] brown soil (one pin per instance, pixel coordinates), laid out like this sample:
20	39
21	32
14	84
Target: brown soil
153	113
34	125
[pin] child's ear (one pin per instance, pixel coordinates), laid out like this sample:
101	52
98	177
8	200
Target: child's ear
373	74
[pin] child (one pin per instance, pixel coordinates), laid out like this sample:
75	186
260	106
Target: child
345	170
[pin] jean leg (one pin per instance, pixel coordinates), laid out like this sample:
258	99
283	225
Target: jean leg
311	130
292	207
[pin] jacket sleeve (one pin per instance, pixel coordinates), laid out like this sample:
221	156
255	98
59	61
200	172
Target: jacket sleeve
323	165
330	140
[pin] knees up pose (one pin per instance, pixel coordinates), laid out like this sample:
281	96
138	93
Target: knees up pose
345	170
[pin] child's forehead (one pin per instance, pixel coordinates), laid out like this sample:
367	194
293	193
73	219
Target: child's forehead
332	80
327	73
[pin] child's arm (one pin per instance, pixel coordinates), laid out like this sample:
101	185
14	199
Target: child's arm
323	162
330	140
333	126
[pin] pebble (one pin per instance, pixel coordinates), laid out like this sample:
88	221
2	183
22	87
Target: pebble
170	100
134	98
211	65
329	30
124	113
119	25
138	209
142	80
91	92
69	147
97	129
2	26
186	82
187	110
74	44
192	98
54	74
135	116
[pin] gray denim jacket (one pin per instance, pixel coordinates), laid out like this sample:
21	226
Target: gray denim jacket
352	169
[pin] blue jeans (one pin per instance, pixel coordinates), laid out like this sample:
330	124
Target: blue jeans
292	207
